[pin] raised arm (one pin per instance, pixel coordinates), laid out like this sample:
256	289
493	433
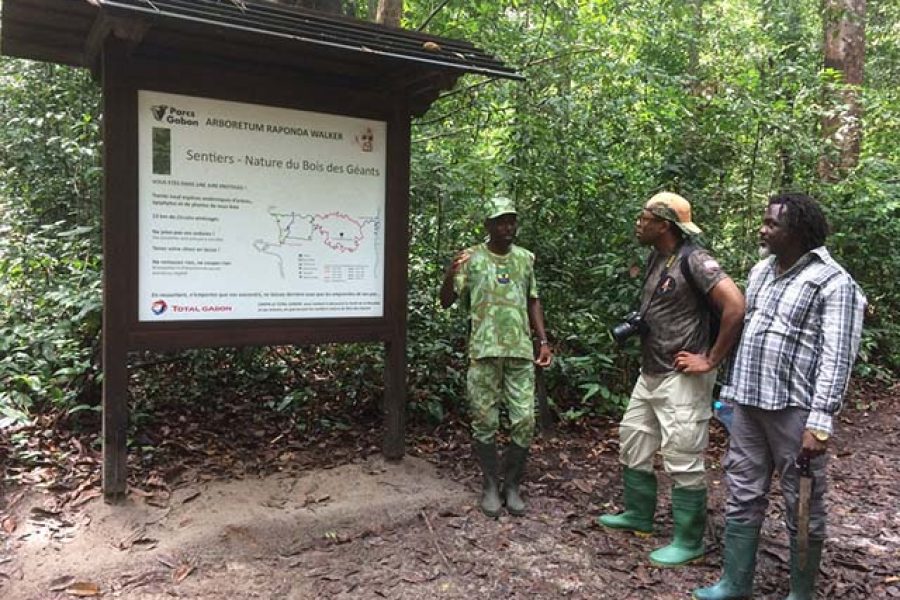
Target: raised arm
448	294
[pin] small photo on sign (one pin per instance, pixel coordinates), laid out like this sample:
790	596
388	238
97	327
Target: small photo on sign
162	151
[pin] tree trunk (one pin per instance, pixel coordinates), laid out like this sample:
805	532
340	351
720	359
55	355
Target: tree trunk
845	35
389	12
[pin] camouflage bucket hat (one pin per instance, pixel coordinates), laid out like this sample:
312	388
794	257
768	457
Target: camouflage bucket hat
674	208
499	205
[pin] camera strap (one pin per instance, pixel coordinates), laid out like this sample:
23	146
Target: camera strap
662	276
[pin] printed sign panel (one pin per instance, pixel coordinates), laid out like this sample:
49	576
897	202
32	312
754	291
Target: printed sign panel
257	212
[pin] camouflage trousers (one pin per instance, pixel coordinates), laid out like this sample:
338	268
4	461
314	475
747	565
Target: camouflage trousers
492	381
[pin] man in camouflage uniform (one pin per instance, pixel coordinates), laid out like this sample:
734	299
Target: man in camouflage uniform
495	284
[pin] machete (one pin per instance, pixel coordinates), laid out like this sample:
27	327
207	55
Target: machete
806	483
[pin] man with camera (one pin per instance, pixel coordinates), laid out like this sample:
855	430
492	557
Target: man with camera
495	284
670	406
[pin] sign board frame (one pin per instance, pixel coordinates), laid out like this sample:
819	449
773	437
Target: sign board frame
256	52
258	212
123	75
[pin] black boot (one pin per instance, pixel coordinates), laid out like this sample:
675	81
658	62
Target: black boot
513	471
490	494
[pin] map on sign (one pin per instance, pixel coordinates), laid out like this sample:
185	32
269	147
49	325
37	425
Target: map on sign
300	235
258	212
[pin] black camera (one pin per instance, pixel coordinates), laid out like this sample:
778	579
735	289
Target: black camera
632	324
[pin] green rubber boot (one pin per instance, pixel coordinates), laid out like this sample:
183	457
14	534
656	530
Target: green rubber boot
689	517
490	491
513	470
639	496
803	581
738	564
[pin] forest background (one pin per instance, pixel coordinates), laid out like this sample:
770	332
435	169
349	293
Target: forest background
725	102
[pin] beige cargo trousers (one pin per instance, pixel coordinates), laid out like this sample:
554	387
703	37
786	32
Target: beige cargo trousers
668	413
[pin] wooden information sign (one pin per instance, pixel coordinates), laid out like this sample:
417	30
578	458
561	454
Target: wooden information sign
256	173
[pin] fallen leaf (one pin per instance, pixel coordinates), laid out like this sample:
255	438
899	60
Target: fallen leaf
83	589
86	497
582	485
156	480
60	583
275	502
168	561
183	496
137	538
9	524
159	499
183	570
145	543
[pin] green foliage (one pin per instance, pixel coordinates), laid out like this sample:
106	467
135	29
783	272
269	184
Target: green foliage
864	211
49	239
717	100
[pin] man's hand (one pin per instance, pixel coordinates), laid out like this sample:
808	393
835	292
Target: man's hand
811	446
545	356
693	364
447	295
457	263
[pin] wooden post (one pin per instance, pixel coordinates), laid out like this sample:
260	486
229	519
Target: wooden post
396	278
119	168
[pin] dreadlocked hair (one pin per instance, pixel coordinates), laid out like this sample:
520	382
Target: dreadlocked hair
804	218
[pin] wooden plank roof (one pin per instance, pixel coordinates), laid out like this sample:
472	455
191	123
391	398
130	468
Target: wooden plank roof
61	31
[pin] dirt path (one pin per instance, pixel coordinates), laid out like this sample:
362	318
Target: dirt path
373	530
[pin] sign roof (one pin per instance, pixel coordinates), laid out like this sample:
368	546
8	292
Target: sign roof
70	32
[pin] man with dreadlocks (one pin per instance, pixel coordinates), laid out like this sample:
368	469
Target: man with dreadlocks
801	334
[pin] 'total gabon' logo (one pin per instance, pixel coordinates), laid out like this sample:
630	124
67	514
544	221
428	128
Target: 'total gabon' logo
159	307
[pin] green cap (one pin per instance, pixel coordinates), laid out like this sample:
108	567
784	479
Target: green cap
499	205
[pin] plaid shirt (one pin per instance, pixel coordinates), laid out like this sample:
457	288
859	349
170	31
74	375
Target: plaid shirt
801	334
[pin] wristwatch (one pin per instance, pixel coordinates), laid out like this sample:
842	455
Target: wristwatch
820	435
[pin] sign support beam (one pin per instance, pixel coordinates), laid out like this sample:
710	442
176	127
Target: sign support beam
119	207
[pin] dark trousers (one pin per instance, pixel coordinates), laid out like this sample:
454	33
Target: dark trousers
763	442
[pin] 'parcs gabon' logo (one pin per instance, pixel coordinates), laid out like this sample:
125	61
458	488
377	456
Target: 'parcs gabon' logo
159	111
159	307
172	115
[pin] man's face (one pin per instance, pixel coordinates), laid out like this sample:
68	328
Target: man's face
774	236
648	227
503	228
